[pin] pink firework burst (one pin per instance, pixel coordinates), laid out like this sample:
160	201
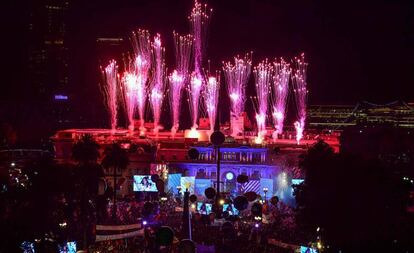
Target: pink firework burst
280	92
236	76
300	92
199	20
140	66
130	87
158	81
196	85
212	94
176	86
110	88
263	76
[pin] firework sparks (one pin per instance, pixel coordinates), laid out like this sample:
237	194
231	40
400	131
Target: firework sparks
279	95
130	82
199	20
183	46
158	82
301	94
176	86
263	76
212	93
196	84
110	74
141	43
140	67
236	76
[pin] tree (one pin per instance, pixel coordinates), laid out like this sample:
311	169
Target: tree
358	203
116	158
87	174
86	150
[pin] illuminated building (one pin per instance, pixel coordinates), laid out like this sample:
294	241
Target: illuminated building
338	117
48	61
151	154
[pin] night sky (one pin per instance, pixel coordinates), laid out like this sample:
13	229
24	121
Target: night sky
356	51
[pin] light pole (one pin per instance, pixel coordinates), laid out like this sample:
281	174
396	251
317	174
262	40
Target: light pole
217	138
265	190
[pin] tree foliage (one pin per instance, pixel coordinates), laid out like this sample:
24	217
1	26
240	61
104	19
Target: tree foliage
86	150
359	204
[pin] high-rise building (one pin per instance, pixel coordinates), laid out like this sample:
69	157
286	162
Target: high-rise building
48	82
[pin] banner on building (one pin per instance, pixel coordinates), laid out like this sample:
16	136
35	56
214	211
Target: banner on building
174	180
201	185
187	183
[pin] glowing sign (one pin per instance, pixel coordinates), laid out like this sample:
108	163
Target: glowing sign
61	97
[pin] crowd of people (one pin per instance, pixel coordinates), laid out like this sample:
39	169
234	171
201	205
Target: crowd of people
245	232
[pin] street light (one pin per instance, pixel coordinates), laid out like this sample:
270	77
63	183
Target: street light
217	138
265	190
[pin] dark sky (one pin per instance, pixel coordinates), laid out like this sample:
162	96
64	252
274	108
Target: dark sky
356	51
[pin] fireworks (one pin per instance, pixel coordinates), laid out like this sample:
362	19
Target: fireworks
110	91
141	43
196	84
140	67
279	95
199	20
301	94
133	89
158	81
263	76
183	46
212	93
176	86
236	77
130	82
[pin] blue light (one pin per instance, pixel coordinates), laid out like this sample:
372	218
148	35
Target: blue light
61	97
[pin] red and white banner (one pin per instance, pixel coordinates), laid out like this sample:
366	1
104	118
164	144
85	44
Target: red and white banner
115	232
